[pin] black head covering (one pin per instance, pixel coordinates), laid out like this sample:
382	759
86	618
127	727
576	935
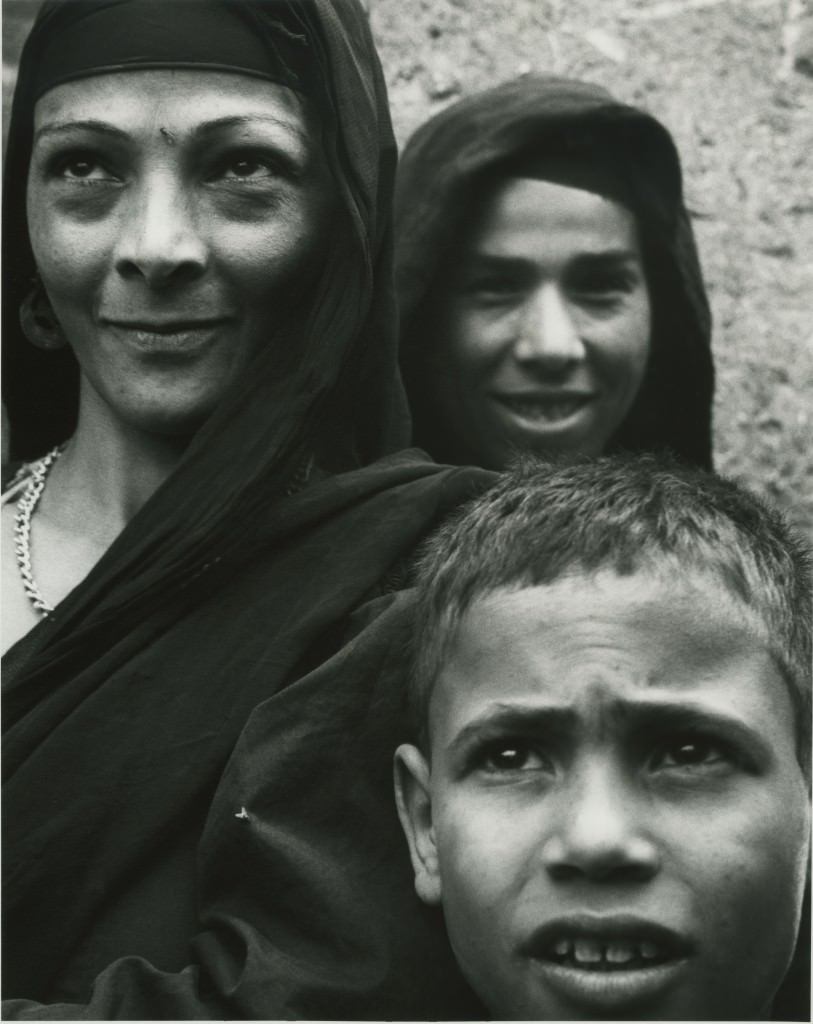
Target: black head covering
346	346
576	133
340	397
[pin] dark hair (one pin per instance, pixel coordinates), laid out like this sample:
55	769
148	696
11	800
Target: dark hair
626	514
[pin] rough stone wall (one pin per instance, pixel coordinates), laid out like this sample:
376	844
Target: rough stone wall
732	80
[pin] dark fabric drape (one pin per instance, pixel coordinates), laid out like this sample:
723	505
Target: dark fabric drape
446	163
197	810
253	733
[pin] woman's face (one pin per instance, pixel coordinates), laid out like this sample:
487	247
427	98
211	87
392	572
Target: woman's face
541	338
175	218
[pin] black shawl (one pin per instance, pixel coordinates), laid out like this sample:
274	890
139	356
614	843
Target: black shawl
480	138
197	799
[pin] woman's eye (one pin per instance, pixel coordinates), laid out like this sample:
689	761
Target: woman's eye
84	168
245	169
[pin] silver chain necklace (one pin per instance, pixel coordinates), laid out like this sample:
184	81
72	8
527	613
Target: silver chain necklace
29	500
26	504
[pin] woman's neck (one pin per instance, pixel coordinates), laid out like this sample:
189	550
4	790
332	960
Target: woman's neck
106	473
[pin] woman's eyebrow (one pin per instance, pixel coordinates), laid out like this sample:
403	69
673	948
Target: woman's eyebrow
66	127
248	121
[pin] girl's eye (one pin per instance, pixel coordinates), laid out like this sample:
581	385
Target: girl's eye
602	290
492	292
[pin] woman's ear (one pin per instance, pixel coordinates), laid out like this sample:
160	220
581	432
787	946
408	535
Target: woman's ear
414	802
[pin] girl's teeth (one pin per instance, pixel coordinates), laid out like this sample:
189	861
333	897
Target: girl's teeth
587	951
619	953
648	950
552	410
563	948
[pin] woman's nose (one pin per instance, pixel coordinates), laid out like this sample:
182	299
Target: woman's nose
602	832
159	240
548	334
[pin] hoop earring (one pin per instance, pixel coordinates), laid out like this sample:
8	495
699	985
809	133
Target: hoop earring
38	320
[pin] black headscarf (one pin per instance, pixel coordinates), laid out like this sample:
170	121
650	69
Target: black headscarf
197	796
572	132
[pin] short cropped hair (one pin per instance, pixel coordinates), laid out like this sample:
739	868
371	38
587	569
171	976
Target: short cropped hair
623	513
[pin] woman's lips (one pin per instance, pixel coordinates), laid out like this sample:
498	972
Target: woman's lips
180	337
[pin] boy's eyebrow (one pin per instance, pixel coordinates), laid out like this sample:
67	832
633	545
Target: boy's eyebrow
638	717
507	717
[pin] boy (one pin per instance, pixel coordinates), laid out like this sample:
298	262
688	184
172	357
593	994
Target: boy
610	789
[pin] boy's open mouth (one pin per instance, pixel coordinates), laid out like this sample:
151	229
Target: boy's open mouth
618	944
607	963
591	954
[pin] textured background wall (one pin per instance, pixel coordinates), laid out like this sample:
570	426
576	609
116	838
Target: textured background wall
732	80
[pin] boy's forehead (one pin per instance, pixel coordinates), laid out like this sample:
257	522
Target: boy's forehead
694	606
570	641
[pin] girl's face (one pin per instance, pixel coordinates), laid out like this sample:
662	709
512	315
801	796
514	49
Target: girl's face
541	338
175	218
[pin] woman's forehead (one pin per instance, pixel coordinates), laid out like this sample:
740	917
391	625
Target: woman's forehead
185	97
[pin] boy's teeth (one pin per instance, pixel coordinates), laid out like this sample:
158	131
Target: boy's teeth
596	954
587	951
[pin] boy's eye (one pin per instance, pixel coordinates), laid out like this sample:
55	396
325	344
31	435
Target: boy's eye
514	755
691	753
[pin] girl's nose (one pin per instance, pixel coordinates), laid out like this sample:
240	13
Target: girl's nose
602	831
159	239
548	334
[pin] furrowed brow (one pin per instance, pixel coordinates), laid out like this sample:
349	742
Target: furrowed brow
651	718
502	719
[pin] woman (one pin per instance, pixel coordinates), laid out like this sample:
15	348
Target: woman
551	297
202	691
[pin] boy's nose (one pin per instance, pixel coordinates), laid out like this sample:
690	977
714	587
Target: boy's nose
548	334
159	240
601	832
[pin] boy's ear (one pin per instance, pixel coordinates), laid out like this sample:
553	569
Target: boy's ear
415	811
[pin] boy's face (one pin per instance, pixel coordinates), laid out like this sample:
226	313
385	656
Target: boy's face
615	819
